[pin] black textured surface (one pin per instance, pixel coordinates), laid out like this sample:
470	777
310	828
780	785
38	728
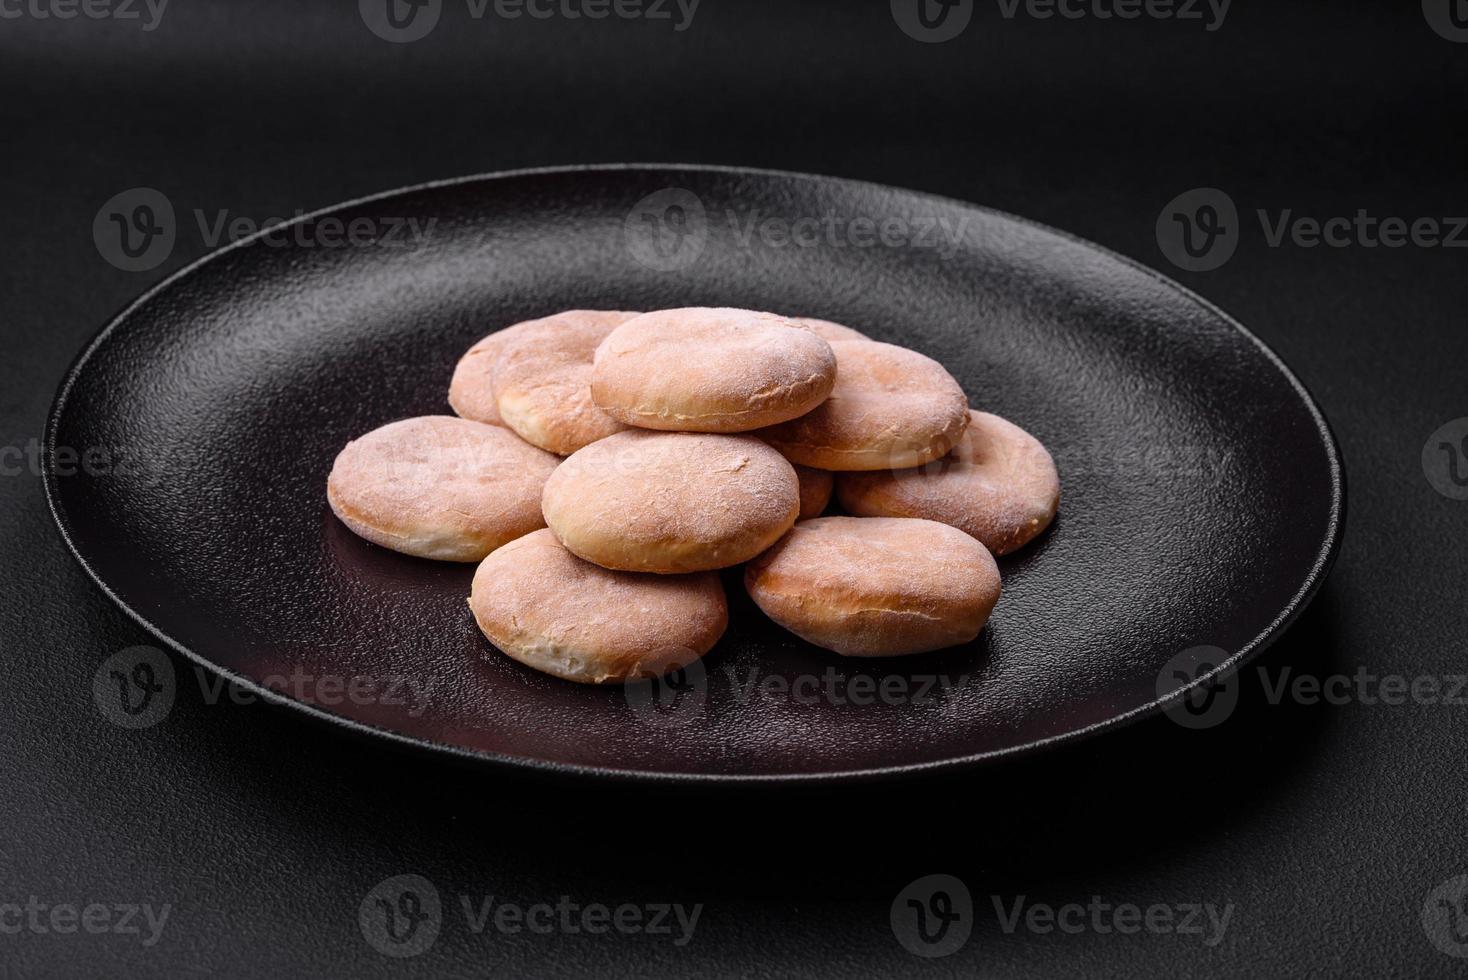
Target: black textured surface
1325	825
1202	492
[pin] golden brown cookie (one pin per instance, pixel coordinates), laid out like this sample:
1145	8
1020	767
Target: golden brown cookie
542	380
891	408
876	586
670	502
439	487
550	610
711	370
998	484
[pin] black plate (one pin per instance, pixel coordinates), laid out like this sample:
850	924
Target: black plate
1202	504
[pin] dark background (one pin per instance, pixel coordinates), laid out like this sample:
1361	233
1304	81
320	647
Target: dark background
1325	826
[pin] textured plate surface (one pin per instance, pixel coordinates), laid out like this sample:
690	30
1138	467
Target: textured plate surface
1202	500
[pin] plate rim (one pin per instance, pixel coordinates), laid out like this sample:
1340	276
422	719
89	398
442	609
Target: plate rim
1314	579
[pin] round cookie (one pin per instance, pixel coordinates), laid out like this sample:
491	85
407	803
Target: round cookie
876	586
891	408
670	502
550	610
439	487
542	380
815	491
999	485
829	330
471	390
711	370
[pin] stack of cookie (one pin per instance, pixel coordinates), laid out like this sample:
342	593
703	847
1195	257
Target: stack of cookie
605	465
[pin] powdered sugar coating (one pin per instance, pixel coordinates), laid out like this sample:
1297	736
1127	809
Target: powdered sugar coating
999	484
891	408
542	380
873	587
671	502
711	370
439	487
550	610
